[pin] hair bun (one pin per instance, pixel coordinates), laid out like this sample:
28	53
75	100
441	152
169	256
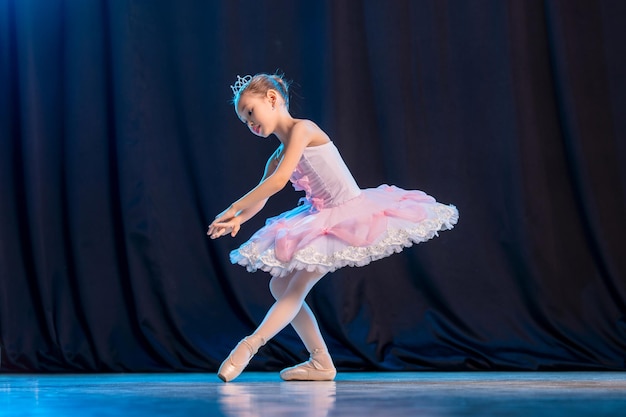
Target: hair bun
279	79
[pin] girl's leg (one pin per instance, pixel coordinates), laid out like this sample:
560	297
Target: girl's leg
278	317
304	323
289	303
305	326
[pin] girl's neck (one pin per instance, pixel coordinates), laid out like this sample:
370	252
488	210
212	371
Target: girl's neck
284	127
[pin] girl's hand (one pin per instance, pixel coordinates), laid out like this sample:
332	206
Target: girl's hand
225	222
220	229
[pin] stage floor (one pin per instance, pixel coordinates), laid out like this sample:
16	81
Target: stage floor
567	394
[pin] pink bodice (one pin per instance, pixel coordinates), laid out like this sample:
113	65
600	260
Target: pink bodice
323	175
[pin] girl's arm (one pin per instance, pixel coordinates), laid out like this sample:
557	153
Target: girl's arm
270	167
292	151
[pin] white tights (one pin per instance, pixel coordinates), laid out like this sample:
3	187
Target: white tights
290	307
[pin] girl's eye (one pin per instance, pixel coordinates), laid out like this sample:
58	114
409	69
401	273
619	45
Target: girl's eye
249	112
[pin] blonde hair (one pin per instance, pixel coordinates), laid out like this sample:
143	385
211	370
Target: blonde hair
260	83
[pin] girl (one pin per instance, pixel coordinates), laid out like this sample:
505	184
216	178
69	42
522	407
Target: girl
336	224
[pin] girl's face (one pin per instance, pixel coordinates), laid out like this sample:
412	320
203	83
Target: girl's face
257	113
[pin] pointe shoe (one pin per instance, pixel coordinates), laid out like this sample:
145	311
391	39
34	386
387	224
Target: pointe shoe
230	370
311	370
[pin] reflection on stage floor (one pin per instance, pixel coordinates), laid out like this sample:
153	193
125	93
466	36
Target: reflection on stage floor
570	394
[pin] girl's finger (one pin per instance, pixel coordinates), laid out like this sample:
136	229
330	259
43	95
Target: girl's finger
223	225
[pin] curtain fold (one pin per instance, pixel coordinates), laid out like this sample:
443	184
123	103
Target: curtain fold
118	145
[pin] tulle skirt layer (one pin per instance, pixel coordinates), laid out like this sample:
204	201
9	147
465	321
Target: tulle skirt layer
375	224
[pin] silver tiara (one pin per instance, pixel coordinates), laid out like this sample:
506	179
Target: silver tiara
240	84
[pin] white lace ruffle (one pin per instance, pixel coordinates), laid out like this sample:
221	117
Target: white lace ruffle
249	255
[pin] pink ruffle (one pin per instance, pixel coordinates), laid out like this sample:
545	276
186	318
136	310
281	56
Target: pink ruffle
301	182
363	222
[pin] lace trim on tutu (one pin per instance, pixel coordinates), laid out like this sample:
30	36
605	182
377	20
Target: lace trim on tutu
311	260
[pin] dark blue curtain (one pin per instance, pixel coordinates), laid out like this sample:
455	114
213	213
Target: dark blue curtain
118	145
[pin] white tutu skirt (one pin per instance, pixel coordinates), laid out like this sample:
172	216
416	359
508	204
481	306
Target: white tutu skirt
375	224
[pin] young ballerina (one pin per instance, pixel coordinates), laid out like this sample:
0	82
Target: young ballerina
337	224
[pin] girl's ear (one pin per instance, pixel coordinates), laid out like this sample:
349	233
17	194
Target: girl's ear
272	95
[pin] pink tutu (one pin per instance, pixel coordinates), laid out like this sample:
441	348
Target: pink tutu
339	224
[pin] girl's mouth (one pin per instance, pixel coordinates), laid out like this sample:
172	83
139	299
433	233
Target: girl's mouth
256	129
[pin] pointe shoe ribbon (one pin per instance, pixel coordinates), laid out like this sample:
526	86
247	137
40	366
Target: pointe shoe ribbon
311	370
230	370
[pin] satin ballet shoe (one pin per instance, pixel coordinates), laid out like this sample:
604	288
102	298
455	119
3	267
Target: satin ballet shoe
311	370
230	370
